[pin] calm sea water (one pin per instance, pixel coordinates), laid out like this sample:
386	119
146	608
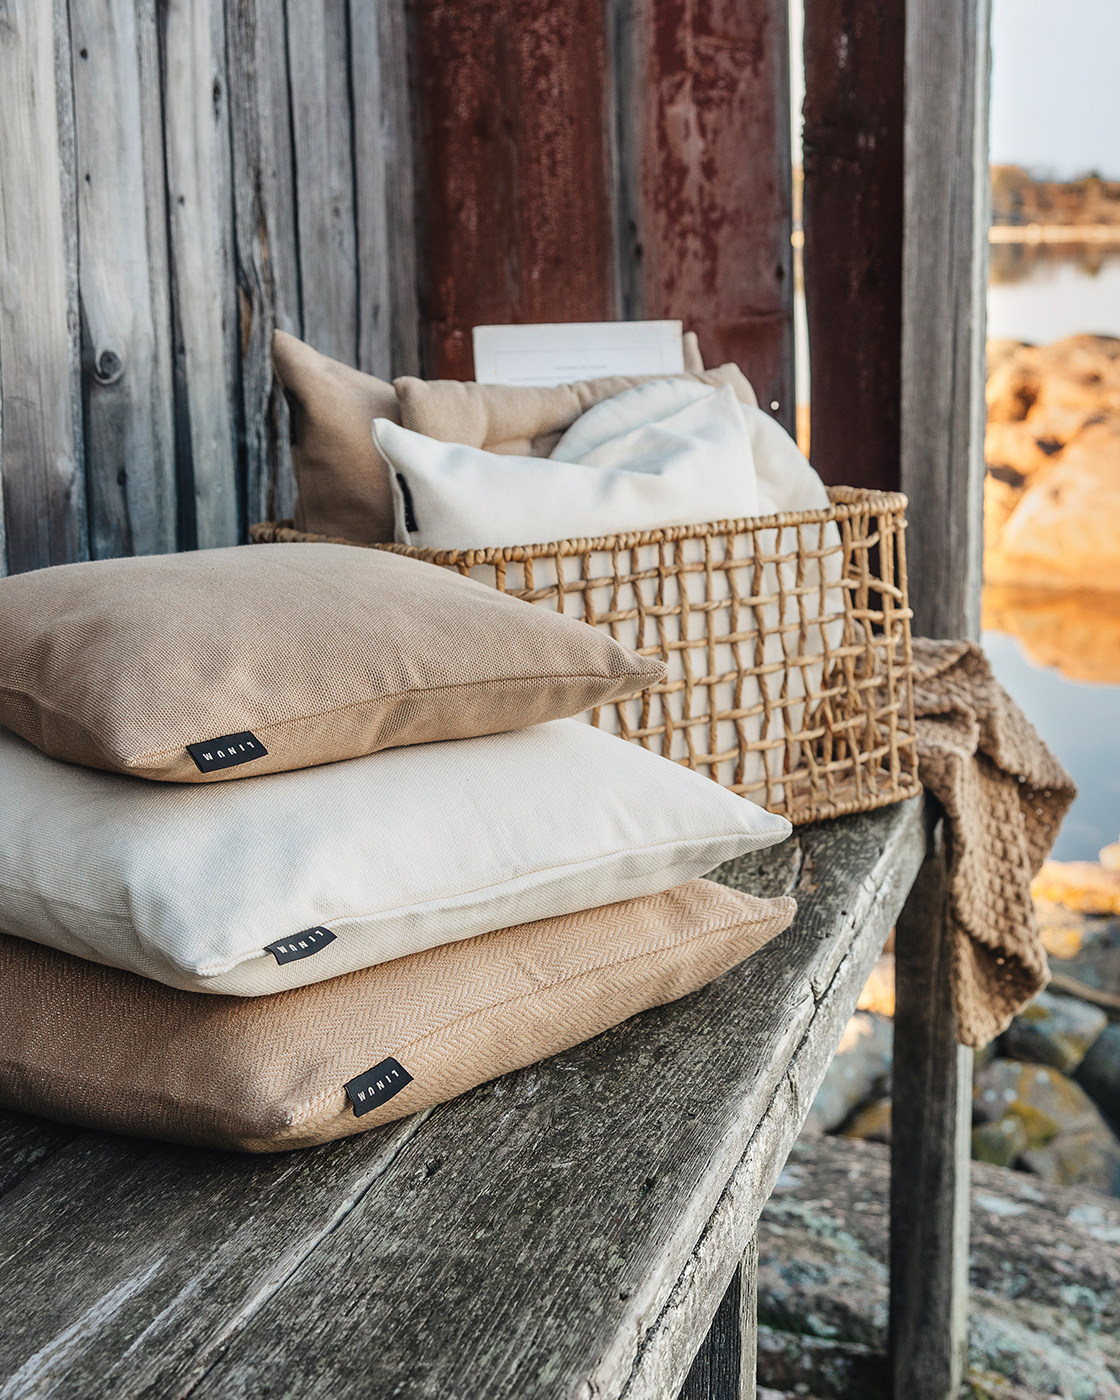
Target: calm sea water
1043	299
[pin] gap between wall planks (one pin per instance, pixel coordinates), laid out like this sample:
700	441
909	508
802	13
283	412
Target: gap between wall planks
137	305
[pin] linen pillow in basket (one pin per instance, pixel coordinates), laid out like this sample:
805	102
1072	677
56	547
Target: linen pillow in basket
342	480
330	1060
255	887
663	435
228	663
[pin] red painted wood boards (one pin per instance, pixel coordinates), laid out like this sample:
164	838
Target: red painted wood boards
510	100
592	159
854	69
715	204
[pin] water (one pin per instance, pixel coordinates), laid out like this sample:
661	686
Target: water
1039	296
1081	723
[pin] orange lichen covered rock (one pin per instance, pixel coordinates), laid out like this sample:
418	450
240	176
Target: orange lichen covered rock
1078	884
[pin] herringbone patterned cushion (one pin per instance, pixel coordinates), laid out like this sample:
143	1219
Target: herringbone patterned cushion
91	1045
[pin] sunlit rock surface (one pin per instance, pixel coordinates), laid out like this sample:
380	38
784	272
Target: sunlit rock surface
1053	457
1076	633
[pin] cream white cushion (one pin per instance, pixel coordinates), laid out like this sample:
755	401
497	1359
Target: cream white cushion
682	458
391	853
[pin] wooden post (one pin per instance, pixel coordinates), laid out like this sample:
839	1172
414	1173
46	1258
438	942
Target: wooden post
945	276
944	289
931	1121
724	1368
854	110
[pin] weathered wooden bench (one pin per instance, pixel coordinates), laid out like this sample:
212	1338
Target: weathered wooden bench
570	1230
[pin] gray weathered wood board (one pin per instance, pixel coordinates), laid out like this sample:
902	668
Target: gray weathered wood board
566	1230
945	276
44	486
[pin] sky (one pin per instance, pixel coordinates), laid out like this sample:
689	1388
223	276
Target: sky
1055	85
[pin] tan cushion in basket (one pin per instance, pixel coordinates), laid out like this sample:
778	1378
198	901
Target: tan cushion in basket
91	1045
319	653
342	480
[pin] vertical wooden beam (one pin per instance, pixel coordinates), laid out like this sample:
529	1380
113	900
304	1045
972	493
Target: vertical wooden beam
513	194
267	255
44	489
725	1365
853	220
319	72
130	470
200	202
932	1115
704	178
945	267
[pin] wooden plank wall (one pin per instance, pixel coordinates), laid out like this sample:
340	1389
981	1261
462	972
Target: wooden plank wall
178	177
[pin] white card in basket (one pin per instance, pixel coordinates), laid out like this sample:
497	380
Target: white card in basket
545	355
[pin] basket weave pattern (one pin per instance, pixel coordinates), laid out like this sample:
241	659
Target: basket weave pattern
787	639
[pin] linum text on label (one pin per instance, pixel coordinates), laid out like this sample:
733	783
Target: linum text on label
377	1085
227	751
300	945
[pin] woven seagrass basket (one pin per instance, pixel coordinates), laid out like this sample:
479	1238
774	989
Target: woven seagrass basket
787	639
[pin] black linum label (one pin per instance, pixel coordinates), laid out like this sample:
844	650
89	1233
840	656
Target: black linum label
300	945
377	1085
227	751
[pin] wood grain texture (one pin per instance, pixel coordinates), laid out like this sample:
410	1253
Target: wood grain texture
129	438
400	194
853	219
513	190
131	1264
44	488
267	256
705	179
724	1368
200	203
945	267
320	86
932	1119
25	1142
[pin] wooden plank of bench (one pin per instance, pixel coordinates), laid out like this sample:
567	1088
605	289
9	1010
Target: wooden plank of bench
573	1225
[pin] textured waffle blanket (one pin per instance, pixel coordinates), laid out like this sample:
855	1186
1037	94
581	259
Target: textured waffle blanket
1004	795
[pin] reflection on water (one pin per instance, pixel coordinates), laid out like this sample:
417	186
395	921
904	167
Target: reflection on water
1059	653
1043	295
1081	723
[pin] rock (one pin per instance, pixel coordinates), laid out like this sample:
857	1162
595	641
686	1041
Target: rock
1099	1073
1096	965
1075	632
1062	533
872	1124
1063	1139
1065	932
1044	1311
1110	857
1080	885
878	990
1001	1142
859	1072
1054	1030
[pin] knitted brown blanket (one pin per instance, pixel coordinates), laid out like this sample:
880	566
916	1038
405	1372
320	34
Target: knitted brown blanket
1004	795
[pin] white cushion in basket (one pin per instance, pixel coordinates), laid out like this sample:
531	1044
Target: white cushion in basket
668	457
391	853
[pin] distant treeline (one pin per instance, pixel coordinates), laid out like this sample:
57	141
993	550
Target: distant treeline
1017	199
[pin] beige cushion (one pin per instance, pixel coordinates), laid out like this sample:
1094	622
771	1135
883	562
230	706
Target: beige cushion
343	486
93	1046
342	480
319	652
256	887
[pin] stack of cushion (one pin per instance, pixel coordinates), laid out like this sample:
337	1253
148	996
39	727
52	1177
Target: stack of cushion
294	841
